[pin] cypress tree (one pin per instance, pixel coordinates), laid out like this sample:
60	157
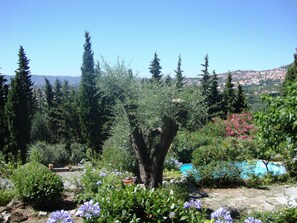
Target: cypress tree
240	100
155	68
205	82
179	75
229	95
3	98
215	98
19	108
89	112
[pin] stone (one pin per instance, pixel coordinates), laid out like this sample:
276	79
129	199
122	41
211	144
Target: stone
42	214
17	216
5	217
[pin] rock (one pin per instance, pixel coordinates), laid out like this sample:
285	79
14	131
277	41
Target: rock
72	212
5	217
42	214
17	216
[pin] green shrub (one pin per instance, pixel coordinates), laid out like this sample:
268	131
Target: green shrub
6	195
291	167
215	129
6	168
118	158
219	165
44	153
135	204
78	153
288	215
186	142
37	185
96	181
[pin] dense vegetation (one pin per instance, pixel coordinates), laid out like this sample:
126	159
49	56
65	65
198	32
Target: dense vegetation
118	123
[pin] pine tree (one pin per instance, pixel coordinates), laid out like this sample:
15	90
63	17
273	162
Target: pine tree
155	68
179	74
49	94
214	98
205	82
89	110
240	100
229	96
3	98
168	80
19	108
291	76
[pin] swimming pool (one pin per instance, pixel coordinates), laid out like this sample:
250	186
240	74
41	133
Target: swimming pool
258	168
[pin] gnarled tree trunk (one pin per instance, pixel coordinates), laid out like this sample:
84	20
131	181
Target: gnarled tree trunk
151	148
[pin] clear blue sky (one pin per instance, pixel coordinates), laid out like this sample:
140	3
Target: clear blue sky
237	34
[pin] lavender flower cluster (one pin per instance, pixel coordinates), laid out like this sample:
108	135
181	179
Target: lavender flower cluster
252	220
195	204
89	210
60	217
221	216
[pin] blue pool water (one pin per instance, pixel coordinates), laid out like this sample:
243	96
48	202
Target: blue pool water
258	169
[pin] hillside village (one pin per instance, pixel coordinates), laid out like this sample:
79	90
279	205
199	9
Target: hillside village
264	81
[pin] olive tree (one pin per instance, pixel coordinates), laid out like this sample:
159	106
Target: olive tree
155	112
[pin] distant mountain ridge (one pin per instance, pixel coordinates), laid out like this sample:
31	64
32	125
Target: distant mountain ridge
38	80
244	77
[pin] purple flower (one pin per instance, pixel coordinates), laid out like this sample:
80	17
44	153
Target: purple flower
89	210
222	216
252	220
196	204
98	183
102	174
60	217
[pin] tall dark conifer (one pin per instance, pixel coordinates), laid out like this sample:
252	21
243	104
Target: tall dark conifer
215	98
3	98
179	74
205	82
155	68
240	100
229	95
89	111
19	108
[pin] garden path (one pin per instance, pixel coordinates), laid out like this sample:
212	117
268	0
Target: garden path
250	199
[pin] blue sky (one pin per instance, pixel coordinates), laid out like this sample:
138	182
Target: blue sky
236	34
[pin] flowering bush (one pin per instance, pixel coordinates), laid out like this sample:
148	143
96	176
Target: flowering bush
240	126
96	181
